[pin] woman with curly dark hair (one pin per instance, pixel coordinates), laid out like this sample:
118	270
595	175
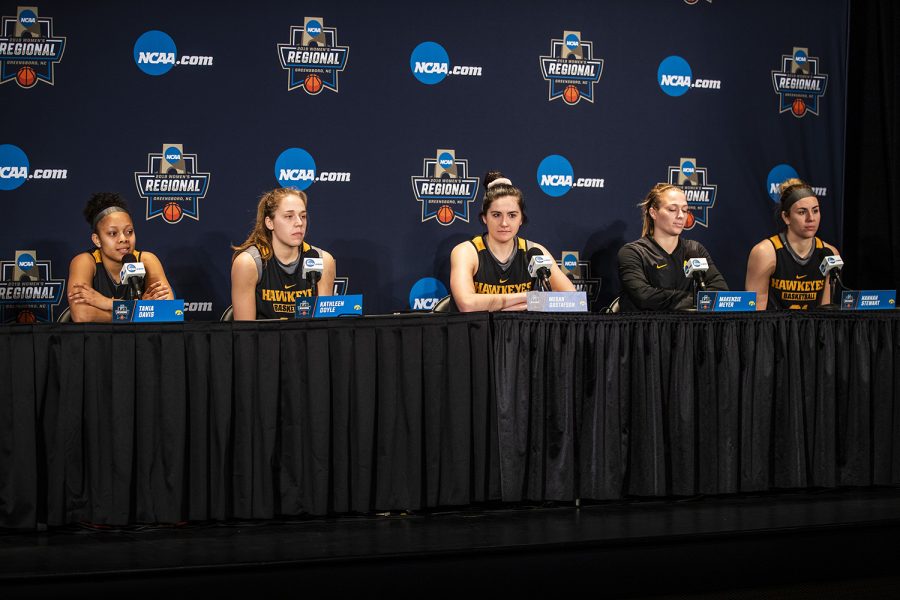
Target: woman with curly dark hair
94	275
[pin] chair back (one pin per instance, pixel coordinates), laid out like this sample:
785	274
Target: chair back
442	305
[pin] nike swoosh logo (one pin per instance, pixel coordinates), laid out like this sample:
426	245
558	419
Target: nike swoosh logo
800	276
504	280
662	266
287	287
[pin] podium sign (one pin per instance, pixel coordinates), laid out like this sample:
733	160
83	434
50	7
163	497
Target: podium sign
726	301
148	311
329	306
869	300
557	301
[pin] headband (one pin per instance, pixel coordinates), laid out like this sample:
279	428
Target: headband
103	213
498	181
796	194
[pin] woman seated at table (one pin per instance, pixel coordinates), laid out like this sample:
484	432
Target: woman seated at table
651	269
94	275
266	271
490	271
783	270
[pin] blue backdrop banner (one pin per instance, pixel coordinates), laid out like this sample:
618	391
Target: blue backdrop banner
388	115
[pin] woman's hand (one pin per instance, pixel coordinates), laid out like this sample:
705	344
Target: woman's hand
158	290
80	293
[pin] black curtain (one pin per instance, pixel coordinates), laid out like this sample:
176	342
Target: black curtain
215	421
120	424
872	194
609	407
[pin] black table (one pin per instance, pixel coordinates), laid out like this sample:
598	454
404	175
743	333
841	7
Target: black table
121	424
604	407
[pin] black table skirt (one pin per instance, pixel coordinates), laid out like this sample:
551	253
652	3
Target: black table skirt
686	404
214	421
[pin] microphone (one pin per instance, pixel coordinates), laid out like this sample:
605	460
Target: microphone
697	268
313	266
132	276
832	265
539	268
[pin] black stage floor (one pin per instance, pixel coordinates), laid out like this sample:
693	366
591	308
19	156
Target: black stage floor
835	544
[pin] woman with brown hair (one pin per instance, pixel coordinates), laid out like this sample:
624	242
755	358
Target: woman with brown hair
266	272
490	271
783	270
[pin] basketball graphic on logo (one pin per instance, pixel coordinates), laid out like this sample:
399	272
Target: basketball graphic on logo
445	215
26	77
25	316
571	94
798	107
313	83
172	212
689	220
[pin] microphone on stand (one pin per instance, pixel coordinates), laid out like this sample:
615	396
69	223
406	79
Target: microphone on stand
313	266
832	265
539	268
132	277
696	269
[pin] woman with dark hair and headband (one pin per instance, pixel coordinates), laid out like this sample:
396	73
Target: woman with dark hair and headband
94	275
490	271
783	270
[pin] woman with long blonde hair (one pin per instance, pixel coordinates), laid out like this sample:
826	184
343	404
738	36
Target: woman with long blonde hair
651	269
266	271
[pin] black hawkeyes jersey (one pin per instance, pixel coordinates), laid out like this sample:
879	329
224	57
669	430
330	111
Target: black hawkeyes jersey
103	283
494	277
278	285
797	282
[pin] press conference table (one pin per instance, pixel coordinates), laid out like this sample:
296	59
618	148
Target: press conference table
199	421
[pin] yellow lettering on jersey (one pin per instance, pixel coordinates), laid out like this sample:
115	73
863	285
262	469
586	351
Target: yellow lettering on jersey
513	288
798	296
794	285
287	296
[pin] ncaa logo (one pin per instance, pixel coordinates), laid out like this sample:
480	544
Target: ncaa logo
27	18
314	28
154	53
309	262
674	76
570	262
800	57
554	175
429	63
295	167
688	168
572	42
25	262
14	167
130	267
425	293
777	175
172	155
445	160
